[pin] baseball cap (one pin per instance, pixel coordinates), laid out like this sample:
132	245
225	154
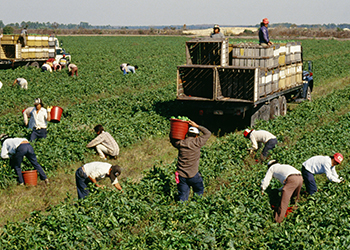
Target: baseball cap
270	163
116	171
193	130
38	101
338	157
246	132
265	21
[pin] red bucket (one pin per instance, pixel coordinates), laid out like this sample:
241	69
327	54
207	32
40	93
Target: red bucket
178	129
56	113
30	177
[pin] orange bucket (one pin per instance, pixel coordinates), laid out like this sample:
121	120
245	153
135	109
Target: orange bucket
56	113
178	129
30	177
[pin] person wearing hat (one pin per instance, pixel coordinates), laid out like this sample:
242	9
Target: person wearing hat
16	149
104	143
187	174
320	165
216	32
21	82
292	182
264	33
38	120
63	61
258	137
93	172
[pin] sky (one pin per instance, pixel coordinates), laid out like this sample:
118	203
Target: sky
175	12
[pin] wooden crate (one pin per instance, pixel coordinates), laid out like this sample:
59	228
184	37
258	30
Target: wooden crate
282	83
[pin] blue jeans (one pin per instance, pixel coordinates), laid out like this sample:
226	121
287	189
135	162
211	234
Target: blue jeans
27	150
82	181
183	188
270	144
309	181
38	133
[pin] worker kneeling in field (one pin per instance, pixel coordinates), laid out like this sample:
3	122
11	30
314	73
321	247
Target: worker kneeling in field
104	143
187	174
320	165
292	182
259	137
16	149
94	171
21	82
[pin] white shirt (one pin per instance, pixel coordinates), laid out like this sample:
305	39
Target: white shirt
280	172
47	66
9	147
98	170
22	83
260	136
320	165
38	120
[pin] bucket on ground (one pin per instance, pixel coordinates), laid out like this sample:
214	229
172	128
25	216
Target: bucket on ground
30	177
56	113
178	129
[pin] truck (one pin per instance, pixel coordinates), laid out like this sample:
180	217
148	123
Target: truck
29	50
245	82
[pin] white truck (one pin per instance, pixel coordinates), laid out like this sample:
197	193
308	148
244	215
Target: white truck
28	50
244	82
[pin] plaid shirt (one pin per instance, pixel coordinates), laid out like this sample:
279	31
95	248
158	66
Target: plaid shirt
106	140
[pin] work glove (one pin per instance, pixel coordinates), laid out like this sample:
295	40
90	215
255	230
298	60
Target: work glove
341	178
49	109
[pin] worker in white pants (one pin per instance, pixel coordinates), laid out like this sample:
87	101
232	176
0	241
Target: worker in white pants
101	150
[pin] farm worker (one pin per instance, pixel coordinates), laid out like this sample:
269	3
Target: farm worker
63	61
26	114
104	143
16	149
56	66
93	172
264	33
320	165
126	68
46	67
73	69
24	34
187	174
216	32
21	82
38	120
259	137
292	182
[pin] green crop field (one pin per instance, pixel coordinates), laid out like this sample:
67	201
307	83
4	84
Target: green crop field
232	214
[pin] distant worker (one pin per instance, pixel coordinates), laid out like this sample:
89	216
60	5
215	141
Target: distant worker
292	182
320	165
16	149
63	61
93	172
21	82
264	33
104	143
24	34
72	69
46	67
126	68
187	174
216	32
38	120
56	66
26	114
258	137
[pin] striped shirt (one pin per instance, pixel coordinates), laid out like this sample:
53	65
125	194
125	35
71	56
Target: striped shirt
106	140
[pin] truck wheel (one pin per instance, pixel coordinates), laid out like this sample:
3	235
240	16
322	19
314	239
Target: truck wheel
260	113
283	105
274	108
35	65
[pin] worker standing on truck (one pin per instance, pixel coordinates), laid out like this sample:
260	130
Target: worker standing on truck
72	69
24	34
216	32
38	120
292	182
16	149
21	82
104	143
264	33
26	114
320	165
93	172
258	137
187	174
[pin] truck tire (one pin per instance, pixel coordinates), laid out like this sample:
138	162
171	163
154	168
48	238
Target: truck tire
260	113
35	65
274	108
283	105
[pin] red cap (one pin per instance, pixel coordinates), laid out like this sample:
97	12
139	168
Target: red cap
246	132
338	157
23	110
265	21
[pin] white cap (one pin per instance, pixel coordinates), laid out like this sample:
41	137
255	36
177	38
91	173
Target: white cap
271	163
193	130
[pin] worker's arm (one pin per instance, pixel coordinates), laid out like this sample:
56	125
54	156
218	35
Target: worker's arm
98	140
254	142
117	186
14	83
48	117
94	181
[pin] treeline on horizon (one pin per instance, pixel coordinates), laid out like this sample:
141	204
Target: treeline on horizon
86	25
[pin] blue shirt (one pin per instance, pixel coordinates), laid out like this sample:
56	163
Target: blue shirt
263	35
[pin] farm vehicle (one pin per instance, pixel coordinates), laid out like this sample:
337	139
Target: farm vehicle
244	82
16	50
